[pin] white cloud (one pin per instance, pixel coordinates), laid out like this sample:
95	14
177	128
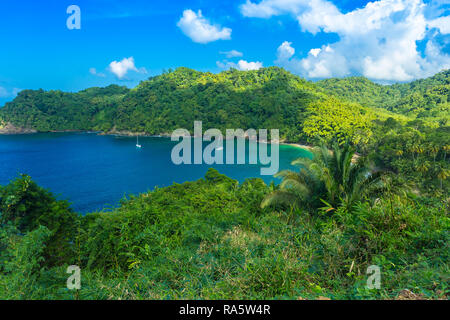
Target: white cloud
232	53
269	8
121	68
94	72
442	23
315	52
225	64
242	65
378	41
200	30
5	93
285	51
261	10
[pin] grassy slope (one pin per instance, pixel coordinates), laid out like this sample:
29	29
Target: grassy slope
209	239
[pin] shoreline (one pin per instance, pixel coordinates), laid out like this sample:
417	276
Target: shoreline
298	145
25	131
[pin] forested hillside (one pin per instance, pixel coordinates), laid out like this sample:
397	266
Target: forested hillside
427	99
269	98
57	110
266	98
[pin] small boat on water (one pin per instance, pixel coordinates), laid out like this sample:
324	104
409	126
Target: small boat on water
137	143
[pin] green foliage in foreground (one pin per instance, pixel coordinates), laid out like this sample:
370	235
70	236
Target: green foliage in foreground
210	239
26	206
337	176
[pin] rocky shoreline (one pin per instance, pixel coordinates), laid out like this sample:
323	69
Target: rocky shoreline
9	128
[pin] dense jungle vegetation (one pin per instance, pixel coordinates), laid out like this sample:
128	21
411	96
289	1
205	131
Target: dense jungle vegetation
375	192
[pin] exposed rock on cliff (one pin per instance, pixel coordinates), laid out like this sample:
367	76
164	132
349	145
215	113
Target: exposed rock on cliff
9	128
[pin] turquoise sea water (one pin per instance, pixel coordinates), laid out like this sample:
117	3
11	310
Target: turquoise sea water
94	172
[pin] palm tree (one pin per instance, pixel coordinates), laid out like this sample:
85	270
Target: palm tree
423	166
337	177
446	150
412	147
434	150
443	174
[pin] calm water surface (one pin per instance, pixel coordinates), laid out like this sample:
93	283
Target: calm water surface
94	172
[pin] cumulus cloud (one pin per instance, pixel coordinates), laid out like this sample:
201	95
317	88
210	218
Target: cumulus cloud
315	52
442	23
378	41
200	30
242	65
232	53
285	51
265	9
245	65
121	68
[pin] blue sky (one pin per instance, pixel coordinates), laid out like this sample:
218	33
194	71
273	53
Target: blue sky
124	42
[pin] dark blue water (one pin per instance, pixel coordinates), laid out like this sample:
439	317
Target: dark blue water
94	172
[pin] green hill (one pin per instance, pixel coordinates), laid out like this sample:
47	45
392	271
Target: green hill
361	90
56	110
266	98
426	99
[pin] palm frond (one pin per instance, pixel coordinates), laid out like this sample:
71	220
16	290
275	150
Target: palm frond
280	197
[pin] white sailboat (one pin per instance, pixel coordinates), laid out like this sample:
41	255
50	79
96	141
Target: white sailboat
137	143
